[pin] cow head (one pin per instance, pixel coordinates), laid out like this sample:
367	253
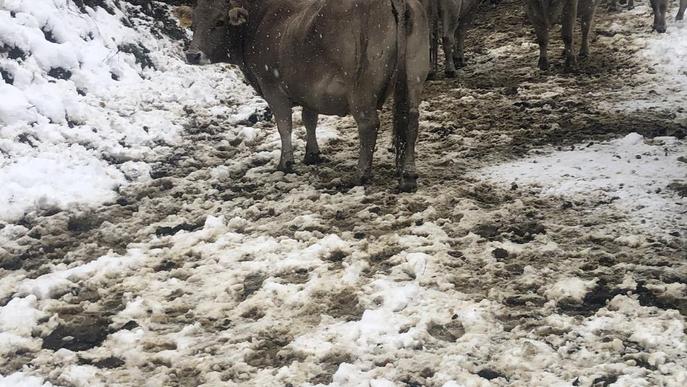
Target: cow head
660	7
215	24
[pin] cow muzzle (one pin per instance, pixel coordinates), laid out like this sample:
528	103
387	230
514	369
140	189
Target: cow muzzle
195	57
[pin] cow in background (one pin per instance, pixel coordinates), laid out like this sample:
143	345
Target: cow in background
544	13
449	19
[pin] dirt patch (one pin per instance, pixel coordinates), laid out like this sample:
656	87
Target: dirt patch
79	334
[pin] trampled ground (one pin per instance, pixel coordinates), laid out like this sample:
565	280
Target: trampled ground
546	245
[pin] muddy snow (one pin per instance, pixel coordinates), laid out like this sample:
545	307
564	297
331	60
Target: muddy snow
147	239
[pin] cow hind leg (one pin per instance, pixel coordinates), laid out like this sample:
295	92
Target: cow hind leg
367	119
312	150
541	30
281	108
448	41
568	29
681	11
587	19
459	51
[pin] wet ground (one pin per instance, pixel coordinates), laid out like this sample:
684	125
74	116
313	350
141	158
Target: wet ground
238	274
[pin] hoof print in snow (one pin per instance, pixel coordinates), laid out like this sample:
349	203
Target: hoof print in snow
679	188
107	363
11	262
450	332
48	34
13	52
94	4
336	256
489	374
271	352
499	253
594	300
168	231
166	265
83	223
253	313
343	305
7	76
131	324
487	230
251	284
79	336
604	381
526	232
330	364
60	73
140	53
295	276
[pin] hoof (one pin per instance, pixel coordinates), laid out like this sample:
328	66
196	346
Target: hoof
363	180
314	159
543	64
286	167
450	74
570	62
459	62
432	76
584	54
408	183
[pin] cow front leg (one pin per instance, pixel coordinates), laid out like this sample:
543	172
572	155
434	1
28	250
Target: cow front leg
568	29
459	51
282	114
368	127
405	150
541	30
681	11
586	21
631	4
448	41
312	150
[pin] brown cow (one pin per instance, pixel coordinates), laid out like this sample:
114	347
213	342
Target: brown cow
544	13
333	57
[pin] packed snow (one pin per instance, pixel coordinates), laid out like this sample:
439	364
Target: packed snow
635	173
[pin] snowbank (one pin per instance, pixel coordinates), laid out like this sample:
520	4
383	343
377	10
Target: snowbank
83	95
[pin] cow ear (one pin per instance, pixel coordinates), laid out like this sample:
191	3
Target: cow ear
238	16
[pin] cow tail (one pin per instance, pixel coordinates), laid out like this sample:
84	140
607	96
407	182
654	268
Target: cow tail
401	90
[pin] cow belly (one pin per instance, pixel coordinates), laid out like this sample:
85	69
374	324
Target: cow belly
326	95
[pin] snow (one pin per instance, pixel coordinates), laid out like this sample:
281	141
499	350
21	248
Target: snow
632	171
69	142
23	380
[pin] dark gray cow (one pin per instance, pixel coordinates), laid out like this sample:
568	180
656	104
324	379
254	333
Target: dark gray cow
333	57
544	13
660	7
453	17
